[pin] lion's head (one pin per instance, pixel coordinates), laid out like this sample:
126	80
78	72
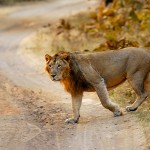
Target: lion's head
58	66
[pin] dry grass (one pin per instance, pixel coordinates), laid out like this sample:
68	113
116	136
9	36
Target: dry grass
63	37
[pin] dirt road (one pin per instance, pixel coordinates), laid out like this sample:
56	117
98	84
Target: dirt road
33	109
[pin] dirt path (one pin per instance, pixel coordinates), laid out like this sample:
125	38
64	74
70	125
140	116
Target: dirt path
33	109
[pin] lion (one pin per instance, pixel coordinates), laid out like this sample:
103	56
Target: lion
98	72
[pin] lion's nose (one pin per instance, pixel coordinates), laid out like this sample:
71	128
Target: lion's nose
53	75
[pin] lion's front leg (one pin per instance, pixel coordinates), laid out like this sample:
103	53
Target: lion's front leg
105	100
76	104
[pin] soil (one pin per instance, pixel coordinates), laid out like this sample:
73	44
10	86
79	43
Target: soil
33	109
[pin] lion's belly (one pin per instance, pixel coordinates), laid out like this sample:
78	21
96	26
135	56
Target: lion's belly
113	79
111	82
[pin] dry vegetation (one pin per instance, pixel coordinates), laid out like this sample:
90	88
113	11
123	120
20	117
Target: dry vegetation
121	24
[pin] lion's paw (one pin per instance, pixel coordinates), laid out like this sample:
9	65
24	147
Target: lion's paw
71	120
130	108
118	113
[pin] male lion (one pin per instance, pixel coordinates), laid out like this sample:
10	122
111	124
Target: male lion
99	71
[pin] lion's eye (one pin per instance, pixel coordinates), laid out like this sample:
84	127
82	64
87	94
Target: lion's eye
50	66
59	66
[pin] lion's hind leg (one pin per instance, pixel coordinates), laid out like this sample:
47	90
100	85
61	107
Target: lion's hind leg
137	83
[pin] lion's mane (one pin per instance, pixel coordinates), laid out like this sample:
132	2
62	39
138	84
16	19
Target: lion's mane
75	83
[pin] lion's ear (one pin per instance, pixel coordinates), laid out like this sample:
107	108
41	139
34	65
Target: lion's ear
47	58
65	56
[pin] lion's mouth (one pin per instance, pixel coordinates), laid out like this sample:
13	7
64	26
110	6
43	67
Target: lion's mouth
55	79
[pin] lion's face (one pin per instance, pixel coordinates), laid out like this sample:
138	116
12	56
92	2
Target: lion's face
57	66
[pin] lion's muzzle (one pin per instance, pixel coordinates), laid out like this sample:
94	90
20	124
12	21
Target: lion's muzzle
54	77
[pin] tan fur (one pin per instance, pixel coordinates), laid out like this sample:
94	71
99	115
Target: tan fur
99	72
